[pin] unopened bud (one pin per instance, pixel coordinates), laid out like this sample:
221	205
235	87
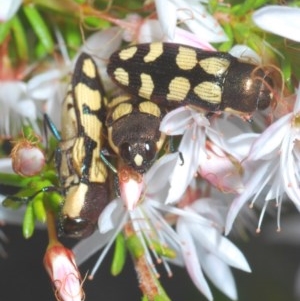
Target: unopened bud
65	276
27	158
131	185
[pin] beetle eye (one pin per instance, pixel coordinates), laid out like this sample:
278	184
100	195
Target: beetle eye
150	150
125	151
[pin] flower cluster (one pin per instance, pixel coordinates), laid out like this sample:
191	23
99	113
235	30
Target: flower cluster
182	209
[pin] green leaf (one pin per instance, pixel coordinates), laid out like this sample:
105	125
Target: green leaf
39	26
20	38
163	250
242	9
135	247
226	46
29	221
73	37
54	200
4	30
39	208
119	255
14	180
10	203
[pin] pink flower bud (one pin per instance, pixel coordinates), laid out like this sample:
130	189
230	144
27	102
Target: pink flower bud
60	264
27	158
131	185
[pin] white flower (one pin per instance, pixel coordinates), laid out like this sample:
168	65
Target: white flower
16	107
205	249
221	170
272	166
151	31
280	20
8	9
144	217
198	242
193	15
194	154
194	127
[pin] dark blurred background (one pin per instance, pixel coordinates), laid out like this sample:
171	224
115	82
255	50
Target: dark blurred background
22	276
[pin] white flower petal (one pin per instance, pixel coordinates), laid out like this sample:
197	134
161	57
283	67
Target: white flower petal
150	31
197	19
8	9
268	143
111	215
250	188
280	20
191	260
240	145
221	171
233	135
43	85
11	92
26	109
176	121
185	37
183	173
89	246
246	54
230	254
158	175
206	207
220	275
167	24
289	170
102	44
220	246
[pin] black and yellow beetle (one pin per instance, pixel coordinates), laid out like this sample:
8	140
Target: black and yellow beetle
133	130
82	174
173	75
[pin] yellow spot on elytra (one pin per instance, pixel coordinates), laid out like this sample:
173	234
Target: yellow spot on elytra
156	50
121	76
209	92
117	100
150	108
147	86
121	110
179	87
127	53
87	96
186	59
89	68
215	66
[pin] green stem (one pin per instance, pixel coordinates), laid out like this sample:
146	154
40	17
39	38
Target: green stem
148	281
14	180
